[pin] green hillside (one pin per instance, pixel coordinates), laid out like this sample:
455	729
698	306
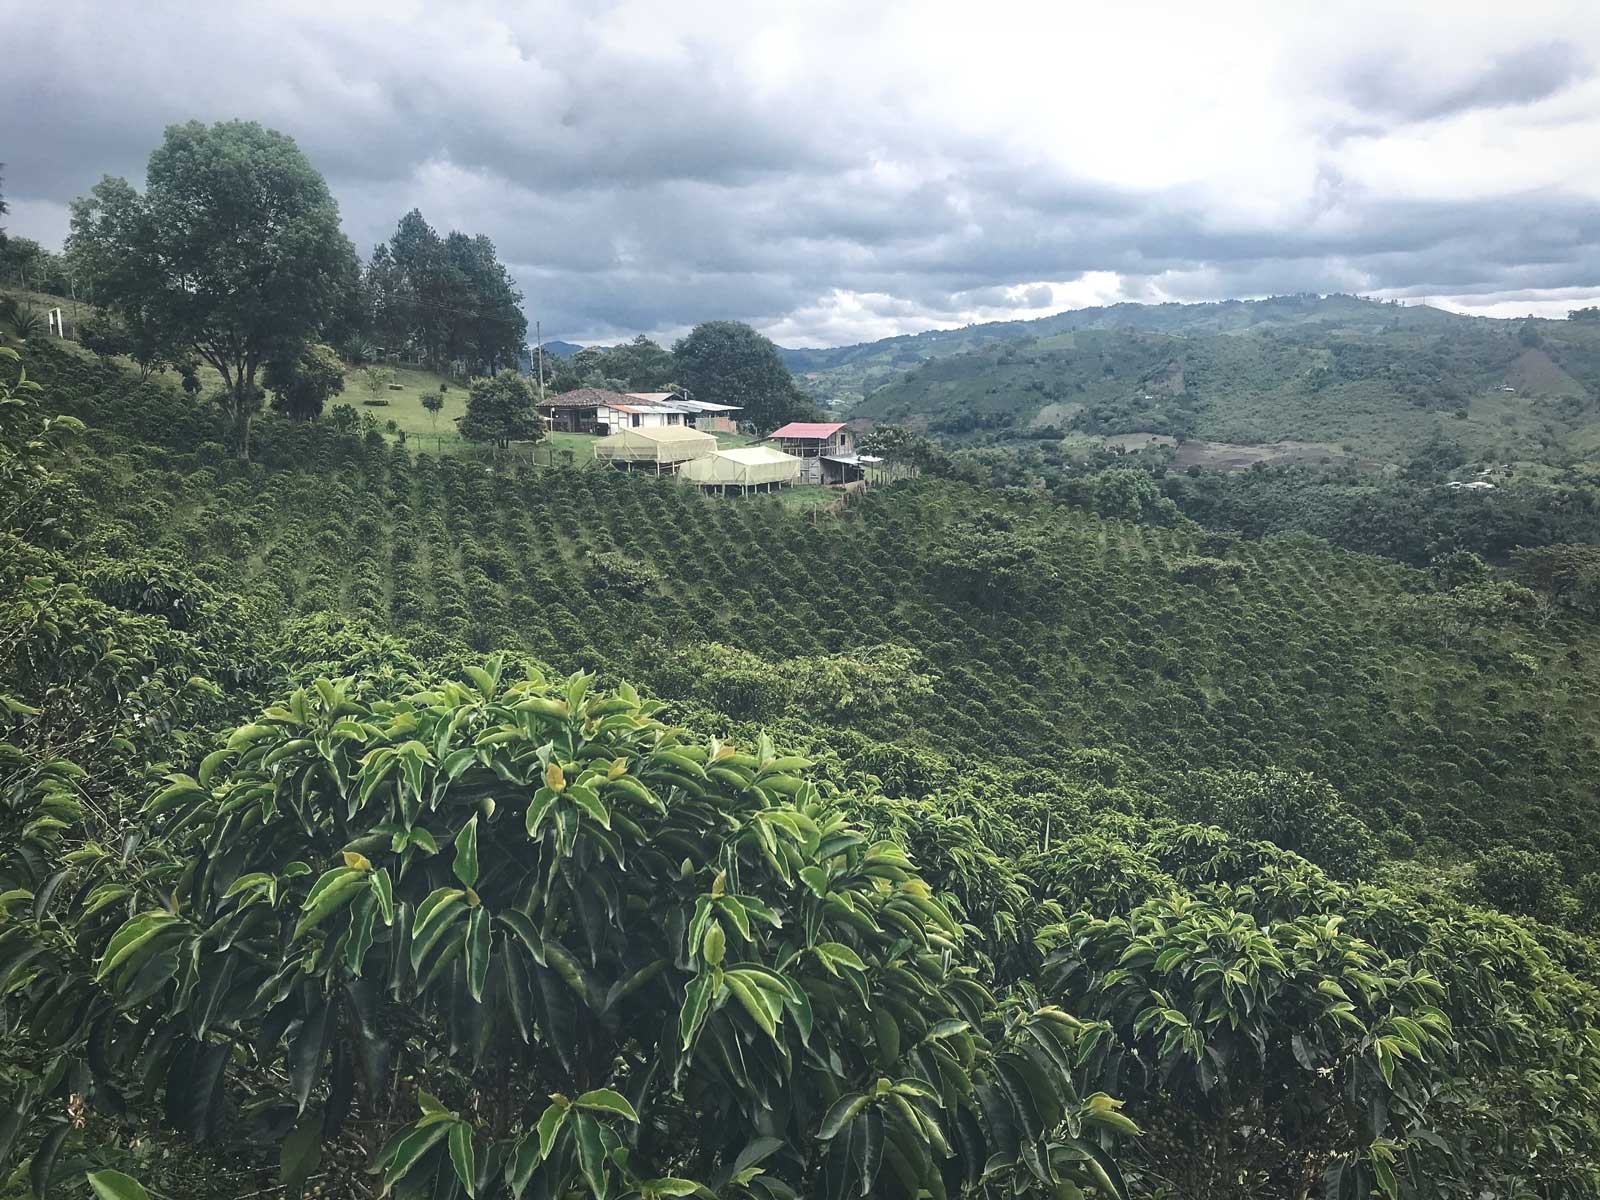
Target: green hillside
1064	777
1122	654
1502	391
844	375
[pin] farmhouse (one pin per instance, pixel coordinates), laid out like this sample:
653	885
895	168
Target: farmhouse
598	410
826	450
713	418
578	411
743	469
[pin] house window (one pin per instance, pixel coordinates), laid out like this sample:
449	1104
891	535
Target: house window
636	420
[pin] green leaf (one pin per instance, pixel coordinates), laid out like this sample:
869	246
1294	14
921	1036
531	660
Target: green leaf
410	1149
606	1100
671	1185
549	1125
714	943
478	946
383	888
539	808
462	1156
590	804
872	1142
466	863
330	893
134	936
837	954
696	1002
591	1154
753	1003
299	1155
435	915
841	1114
114	1185
519	924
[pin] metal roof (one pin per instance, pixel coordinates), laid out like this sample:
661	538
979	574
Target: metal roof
652	406
707	406
808	430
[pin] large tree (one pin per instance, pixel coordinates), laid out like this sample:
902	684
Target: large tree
500	410
234	249
727	362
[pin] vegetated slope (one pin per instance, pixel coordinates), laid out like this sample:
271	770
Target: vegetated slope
1383	393
1265	1024
845	374
1304	663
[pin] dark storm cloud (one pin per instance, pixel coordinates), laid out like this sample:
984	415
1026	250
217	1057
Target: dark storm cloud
647	180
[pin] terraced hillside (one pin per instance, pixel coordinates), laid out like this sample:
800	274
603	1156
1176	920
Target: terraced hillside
1040	632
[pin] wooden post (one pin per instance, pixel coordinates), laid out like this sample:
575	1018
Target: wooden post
538	337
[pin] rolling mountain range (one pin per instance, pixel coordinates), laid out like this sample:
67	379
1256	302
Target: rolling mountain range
1337	376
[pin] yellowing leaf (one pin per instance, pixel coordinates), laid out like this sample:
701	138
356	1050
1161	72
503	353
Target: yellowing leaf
356	862
554	779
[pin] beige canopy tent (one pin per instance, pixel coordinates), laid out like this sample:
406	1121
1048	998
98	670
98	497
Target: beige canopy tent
744	467
661	446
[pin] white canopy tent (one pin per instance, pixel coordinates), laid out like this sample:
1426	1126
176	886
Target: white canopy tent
743	467
659	445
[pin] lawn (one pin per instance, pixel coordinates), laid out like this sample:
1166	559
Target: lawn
402	404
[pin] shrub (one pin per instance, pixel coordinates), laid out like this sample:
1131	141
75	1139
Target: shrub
508	933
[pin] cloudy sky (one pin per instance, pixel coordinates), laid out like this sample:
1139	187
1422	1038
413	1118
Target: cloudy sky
837	172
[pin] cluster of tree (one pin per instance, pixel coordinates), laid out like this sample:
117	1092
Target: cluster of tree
1413	518
233	256
865	681
442	300
24	263
1381	387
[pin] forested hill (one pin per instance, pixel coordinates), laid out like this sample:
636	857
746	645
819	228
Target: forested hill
845	374
1507	391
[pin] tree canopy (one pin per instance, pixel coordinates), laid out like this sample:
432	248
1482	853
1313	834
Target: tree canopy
500	410
445	298
727	362
234	250
302	386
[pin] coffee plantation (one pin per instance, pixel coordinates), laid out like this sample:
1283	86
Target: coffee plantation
382	823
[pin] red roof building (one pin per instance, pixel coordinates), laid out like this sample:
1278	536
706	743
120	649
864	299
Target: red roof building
819	445
807	430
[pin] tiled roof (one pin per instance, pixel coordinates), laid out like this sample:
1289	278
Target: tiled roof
585	397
